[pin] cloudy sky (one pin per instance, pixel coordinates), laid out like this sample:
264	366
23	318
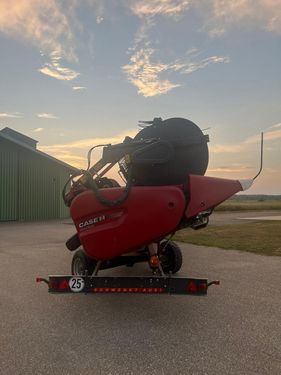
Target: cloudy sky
75	73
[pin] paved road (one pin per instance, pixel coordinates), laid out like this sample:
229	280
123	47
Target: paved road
234	330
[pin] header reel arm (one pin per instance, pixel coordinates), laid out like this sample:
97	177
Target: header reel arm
134	152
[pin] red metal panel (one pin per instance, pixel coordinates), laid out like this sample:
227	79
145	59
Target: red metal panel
208	192
146	216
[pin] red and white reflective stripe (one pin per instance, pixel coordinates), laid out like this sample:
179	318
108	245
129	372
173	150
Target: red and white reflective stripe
127	290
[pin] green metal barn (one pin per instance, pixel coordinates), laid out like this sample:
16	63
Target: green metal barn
31	181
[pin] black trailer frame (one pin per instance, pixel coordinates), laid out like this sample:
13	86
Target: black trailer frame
147	284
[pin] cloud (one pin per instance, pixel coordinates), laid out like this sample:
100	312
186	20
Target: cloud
78	88
142	34
145	75
11	115
231	169
249	151
85	144
44	23
265	14
232	9
46	116
48	26
146	8
273	135
269	135
192	67
217	16
141	71
99	19
70	158
38	130
55	70
225	148
275	126
75	153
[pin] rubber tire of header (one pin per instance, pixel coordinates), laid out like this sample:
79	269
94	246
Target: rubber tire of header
86	262
173	257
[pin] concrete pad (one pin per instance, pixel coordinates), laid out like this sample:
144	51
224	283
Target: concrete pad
234	330
268	218
236	217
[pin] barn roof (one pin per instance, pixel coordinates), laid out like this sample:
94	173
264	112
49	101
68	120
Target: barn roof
30	144
19	136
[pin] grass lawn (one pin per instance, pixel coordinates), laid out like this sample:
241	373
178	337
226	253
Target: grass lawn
258	237
249	205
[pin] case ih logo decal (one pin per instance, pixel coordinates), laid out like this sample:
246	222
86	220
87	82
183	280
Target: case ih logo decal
92	221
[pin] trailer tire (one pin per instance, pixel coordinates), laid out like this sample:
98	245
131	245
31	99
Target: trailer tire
170	257
82	264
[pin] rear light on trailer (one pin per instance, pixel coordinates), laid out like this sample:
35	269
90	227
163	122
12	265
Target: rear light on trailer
191	287
53	285
59	285
64	284
196	288
202	287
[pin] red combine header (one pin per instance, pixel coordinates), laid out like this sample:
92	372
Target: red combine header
165	191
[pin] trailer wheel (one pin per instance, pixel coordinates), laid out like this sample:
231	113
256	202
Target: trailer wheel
82	264
170	257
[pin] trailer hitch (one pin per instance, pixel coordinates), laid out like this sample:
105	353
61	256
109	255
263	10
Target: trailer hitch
215	282
40	279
